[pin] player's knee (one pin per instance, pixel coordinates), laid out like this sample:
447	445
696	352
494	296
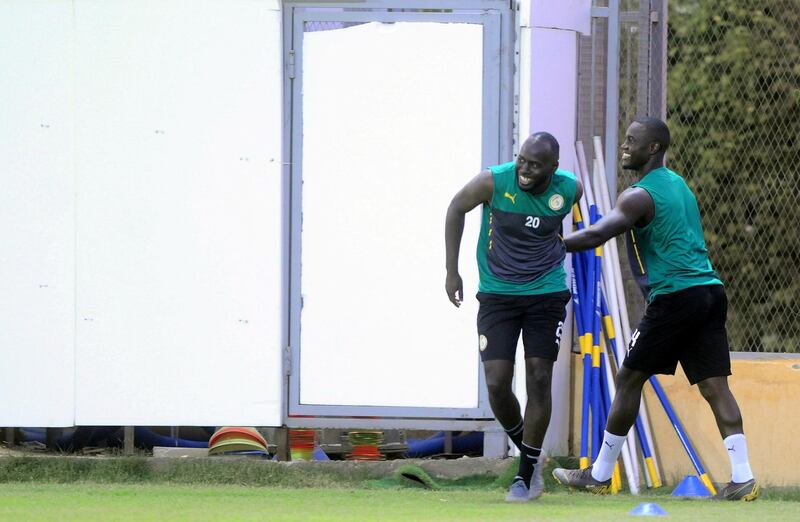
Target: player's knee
630	381
713	390
498	386
538	380
708	390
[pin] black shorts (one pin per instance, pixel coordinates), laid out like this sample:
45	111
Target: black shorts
687	327
540	318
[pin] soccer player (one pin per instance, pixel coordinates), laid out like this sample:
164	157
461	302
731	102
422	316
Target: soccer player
522	287
686	311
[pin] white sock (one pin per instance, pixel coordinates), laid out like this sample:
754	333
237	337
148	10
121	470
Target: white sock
737	452
603	467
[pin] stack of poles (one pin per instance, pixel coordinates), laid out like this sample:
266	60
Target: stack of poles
615	313
597	381
593	319
650	462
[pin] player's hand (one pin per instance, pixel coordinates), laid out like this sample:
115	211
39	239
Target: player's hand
455	288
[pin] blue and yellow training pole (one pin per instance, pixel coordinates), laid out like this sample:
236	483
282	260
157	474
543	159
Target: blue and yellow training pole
584	341
687	444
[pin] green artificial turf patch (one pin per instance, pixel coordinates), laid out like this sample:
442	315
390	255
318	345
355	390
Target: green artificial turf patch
414	476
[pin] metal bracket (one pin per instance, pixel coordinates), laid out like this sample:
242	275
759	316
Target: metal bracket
654	17
599	12
290	64
287	360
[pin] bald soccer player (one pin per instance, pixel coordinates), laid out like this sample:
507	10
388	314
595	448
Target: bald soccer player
686	309
522	287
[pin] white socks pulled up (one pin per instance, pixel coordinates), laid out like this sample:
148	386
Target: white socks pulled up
737	452
603	467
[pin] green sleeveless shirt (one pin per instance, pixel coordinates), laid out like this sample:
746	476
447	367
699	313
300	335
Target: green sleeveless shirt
519	249
669	253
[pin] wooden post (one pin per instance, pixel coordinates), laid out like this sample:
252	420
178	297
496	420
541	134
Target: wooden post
282	443
51	436
128	440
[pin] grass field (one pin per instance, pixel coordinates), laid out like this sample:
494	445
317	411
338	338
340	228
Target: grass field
94	489
90	502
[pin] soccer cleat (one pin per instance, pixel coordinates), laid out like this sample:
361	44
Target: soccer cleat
518	492
745	491
537	482
582	479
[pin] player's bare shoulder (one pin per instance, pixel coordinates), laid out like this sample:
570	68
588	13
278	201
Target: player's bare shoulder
477	190
484	184
636	204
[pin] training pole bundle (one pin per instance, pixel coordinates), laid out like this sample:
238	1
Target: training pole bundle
617	313
600	314
597	325
598	383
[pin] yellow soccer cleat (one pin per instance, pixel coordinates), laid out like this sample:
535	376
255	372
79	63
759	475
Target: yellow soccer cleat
745	491
581	479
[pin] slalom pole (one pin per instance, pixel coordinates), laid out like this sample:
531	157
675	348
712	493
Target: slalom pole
619	305
602	200
605	385
578	277
620	355
593	309
595	325
602	381
591	306
654	473
684	438
653	479
576	306
586	296
629	448
612	327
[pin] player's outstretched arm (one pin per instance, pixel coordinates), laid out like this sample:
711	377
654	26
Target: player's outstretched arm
477	191
634	206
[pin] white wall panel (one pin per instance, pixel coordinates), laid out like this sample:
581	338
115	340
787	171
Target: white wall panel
37	234
573	15
179	212
392	129
549	87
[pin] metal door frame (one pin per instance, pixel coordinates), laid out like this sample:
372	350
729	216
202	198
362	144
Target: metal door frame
498	78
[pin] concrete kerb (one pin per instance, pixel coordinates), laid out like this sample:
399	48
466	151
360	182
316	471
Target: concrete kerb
438	469
349	470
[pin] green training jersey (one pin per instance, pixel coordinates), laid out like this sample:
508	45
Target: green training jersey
669	253
520	251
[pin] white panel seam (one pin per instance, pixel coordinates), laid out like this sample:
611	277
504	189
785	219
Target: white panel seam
73	104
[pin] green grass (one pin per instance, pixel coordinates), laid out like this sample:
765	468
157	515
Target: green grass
63	488
90	502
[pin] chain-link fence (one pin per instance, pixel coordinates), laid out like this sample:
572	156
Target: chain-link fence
734	110
733	106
